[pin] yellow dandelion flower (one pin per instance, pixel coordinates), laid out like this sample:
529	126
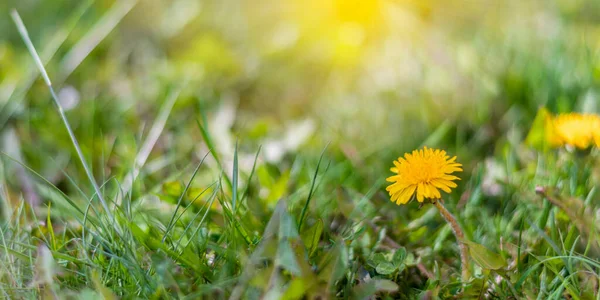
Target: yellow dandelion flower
578	130
424	172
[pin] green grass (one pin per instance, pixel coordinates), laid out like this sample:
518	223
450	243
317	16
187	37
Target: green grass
176	174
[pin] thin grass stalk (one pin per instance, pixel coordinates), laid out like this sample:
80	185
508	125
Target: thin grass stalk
27	40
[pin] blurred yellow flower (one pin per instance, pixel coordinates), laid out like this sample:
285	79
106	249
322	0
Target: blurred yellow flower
424	172
575	129
357	11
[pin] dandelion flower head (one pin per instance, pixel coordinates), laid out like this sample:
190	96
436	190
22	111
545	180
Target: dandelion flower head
579	130
424	172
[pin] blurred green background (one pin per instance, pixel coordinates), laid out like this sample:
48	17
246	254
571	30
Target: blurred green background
373	75
371	79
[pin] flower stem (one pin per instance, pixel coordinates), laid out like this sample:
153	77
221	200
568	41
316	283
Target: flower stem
460	236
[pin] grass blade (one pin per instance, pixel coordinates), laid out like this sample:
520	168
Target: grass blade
187	187
25	36
234	176
251	175
56	41
312	189
211	146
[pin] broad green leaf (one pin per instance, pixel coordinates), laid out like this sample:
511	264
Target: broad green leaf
172	188
399	256
286	258
388	263
296	290
278	189
541	134
410	260
484	257
536	135
311	237
376	259
261	278
384	285
287	228
386	268
341	264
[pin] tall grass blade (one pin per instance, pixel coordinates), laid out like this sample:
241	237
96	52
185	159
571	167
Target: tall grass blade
245	194
234	176
25	36
56	41
187	187
312	189
211	146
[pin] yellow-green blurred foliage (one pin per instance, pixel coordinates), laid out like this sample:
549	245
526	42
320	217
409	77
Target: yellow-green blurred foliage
399	68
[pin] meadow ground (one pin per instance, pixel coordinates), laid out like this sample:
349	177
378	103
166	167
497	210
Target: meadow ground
240	149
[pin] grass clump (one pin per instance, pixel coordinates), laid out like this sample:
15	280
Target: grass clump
107	191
